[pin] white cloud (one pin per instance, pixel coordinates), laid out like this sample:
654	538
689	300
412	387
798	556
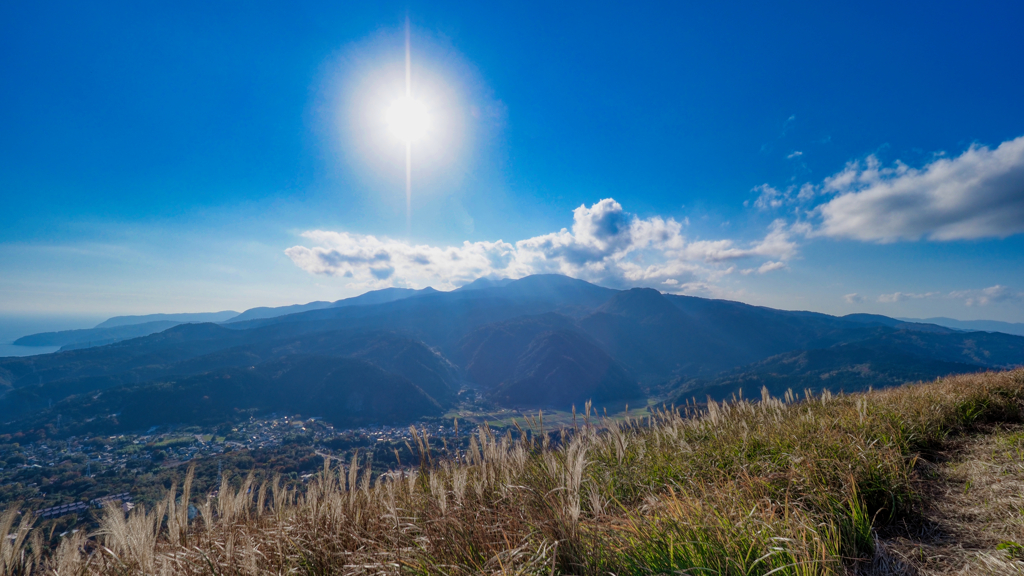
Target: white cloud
606	244
795	154
806	192
982	297
372	261
770	266
768	197
985	296
979	194
903	296
771	198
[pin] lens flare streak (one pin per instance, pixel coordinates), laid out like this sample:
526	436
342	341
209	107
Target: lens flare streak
408	141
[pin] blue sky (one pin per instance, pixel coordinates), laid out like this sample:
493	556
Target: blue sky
848	157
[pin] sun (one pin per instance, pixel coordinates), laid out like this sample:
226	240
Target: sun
408	119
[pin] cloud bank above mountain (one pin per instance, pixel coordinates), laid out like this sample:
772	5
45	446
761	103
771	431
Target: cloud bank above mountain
605	244
975	297
978	194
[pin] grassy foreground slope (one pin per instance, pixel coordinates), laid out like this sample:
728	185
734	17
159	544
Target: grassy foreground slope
798	485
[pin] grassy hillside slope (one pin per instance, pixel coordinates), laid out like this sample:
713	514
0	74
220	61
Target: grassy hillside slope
777	486
844	367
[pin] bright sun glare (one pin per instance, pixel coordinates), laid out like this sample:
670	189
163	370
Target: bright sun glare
408	119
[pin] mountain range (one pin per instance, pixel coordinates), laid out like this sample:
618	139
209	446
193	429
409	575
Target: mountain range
1016	328
396	355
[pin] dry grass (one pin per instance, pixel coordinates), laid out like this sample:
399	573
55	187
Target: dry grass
778	486
972	514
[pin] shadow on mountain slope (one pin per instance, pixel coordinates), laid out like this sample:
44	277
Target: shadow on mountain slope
345	391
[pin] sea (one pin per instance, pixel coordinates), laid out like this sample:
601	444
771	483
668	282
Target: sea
14	326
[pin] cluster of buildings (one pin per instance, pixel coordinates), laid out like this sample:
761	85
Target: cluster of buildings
43	467
170	446
123	499
274	431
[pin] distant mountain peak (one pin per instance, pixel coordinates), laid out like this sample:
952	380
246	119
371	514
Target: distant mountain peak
551	280
485	282
862	318
1016	329
381	296
180	318
558	288
200	330
640	303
